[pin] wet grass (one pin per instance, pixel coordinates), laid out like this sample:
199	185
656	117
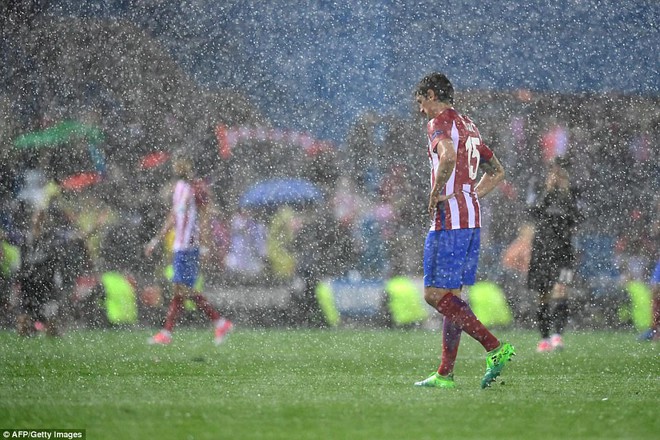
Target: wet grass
325	384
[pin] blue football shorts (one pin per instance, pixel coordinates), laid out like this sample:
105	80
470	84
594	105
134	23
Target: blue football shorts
186	267
451	258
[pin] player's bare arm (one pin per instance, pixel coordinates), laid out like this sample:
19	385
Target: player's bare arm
447	161
493	174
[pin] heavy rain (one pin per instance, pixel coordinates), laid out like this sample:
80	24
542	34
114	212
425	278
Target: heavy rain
256	175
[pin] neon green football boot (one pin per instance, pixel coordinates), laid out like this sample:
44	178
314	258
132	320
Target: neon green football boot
495	362
437	381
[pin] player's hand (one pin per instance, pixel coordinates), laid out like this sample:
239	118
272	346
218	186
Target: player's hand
435	199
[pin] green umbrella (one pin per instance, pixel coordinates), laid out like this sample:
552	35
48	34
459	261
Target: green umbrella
59	134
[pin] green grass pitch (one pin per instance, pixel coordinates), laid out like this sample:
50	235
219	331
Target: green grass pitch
326	384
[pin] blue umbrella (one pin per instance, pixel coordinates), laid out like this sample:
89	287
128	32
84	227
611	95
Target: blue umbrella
275	192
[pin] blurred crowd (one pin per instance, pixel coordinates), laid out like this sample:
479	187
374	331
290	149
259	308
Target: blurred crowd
84	205
369	219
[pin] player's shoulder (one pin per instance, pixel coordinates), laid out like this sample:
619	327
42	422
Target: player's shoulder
469	124
447	115
467	118
443	122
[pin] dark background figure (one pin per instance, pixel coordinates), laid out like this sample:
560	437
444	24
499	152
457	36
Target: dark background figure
40	277
555	216
323	249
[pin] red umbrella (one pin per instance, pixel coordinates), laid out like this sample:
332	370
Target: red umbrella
80	181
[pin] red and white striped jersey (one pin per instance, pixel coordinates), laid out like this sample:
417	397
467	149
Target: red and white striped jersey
186	228
462	211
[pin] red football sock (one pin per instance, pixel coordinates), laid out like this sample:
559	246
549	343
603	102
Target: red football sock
451	337
173	312
656	313
206	307
459	313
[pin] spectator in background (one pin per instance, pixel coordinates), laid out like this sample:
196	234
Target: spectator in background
322	246
188	202
283	228
40	275
401	223
551	267
635	247
93	217
500	220
370	237
246	261
653	333
346	203
220	240
363	164
10	240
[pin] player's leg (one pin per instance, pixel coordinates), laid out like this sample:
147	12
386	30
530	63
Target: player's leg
189	276
560	310
542	278
222	326
451	338
164	336
450	260
444	377
543	318
497	357
181	281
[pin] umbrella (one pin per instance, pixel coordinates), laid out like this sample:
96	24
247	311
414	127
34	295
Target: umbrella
80	181
154	160
275	192
74	168
59	134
